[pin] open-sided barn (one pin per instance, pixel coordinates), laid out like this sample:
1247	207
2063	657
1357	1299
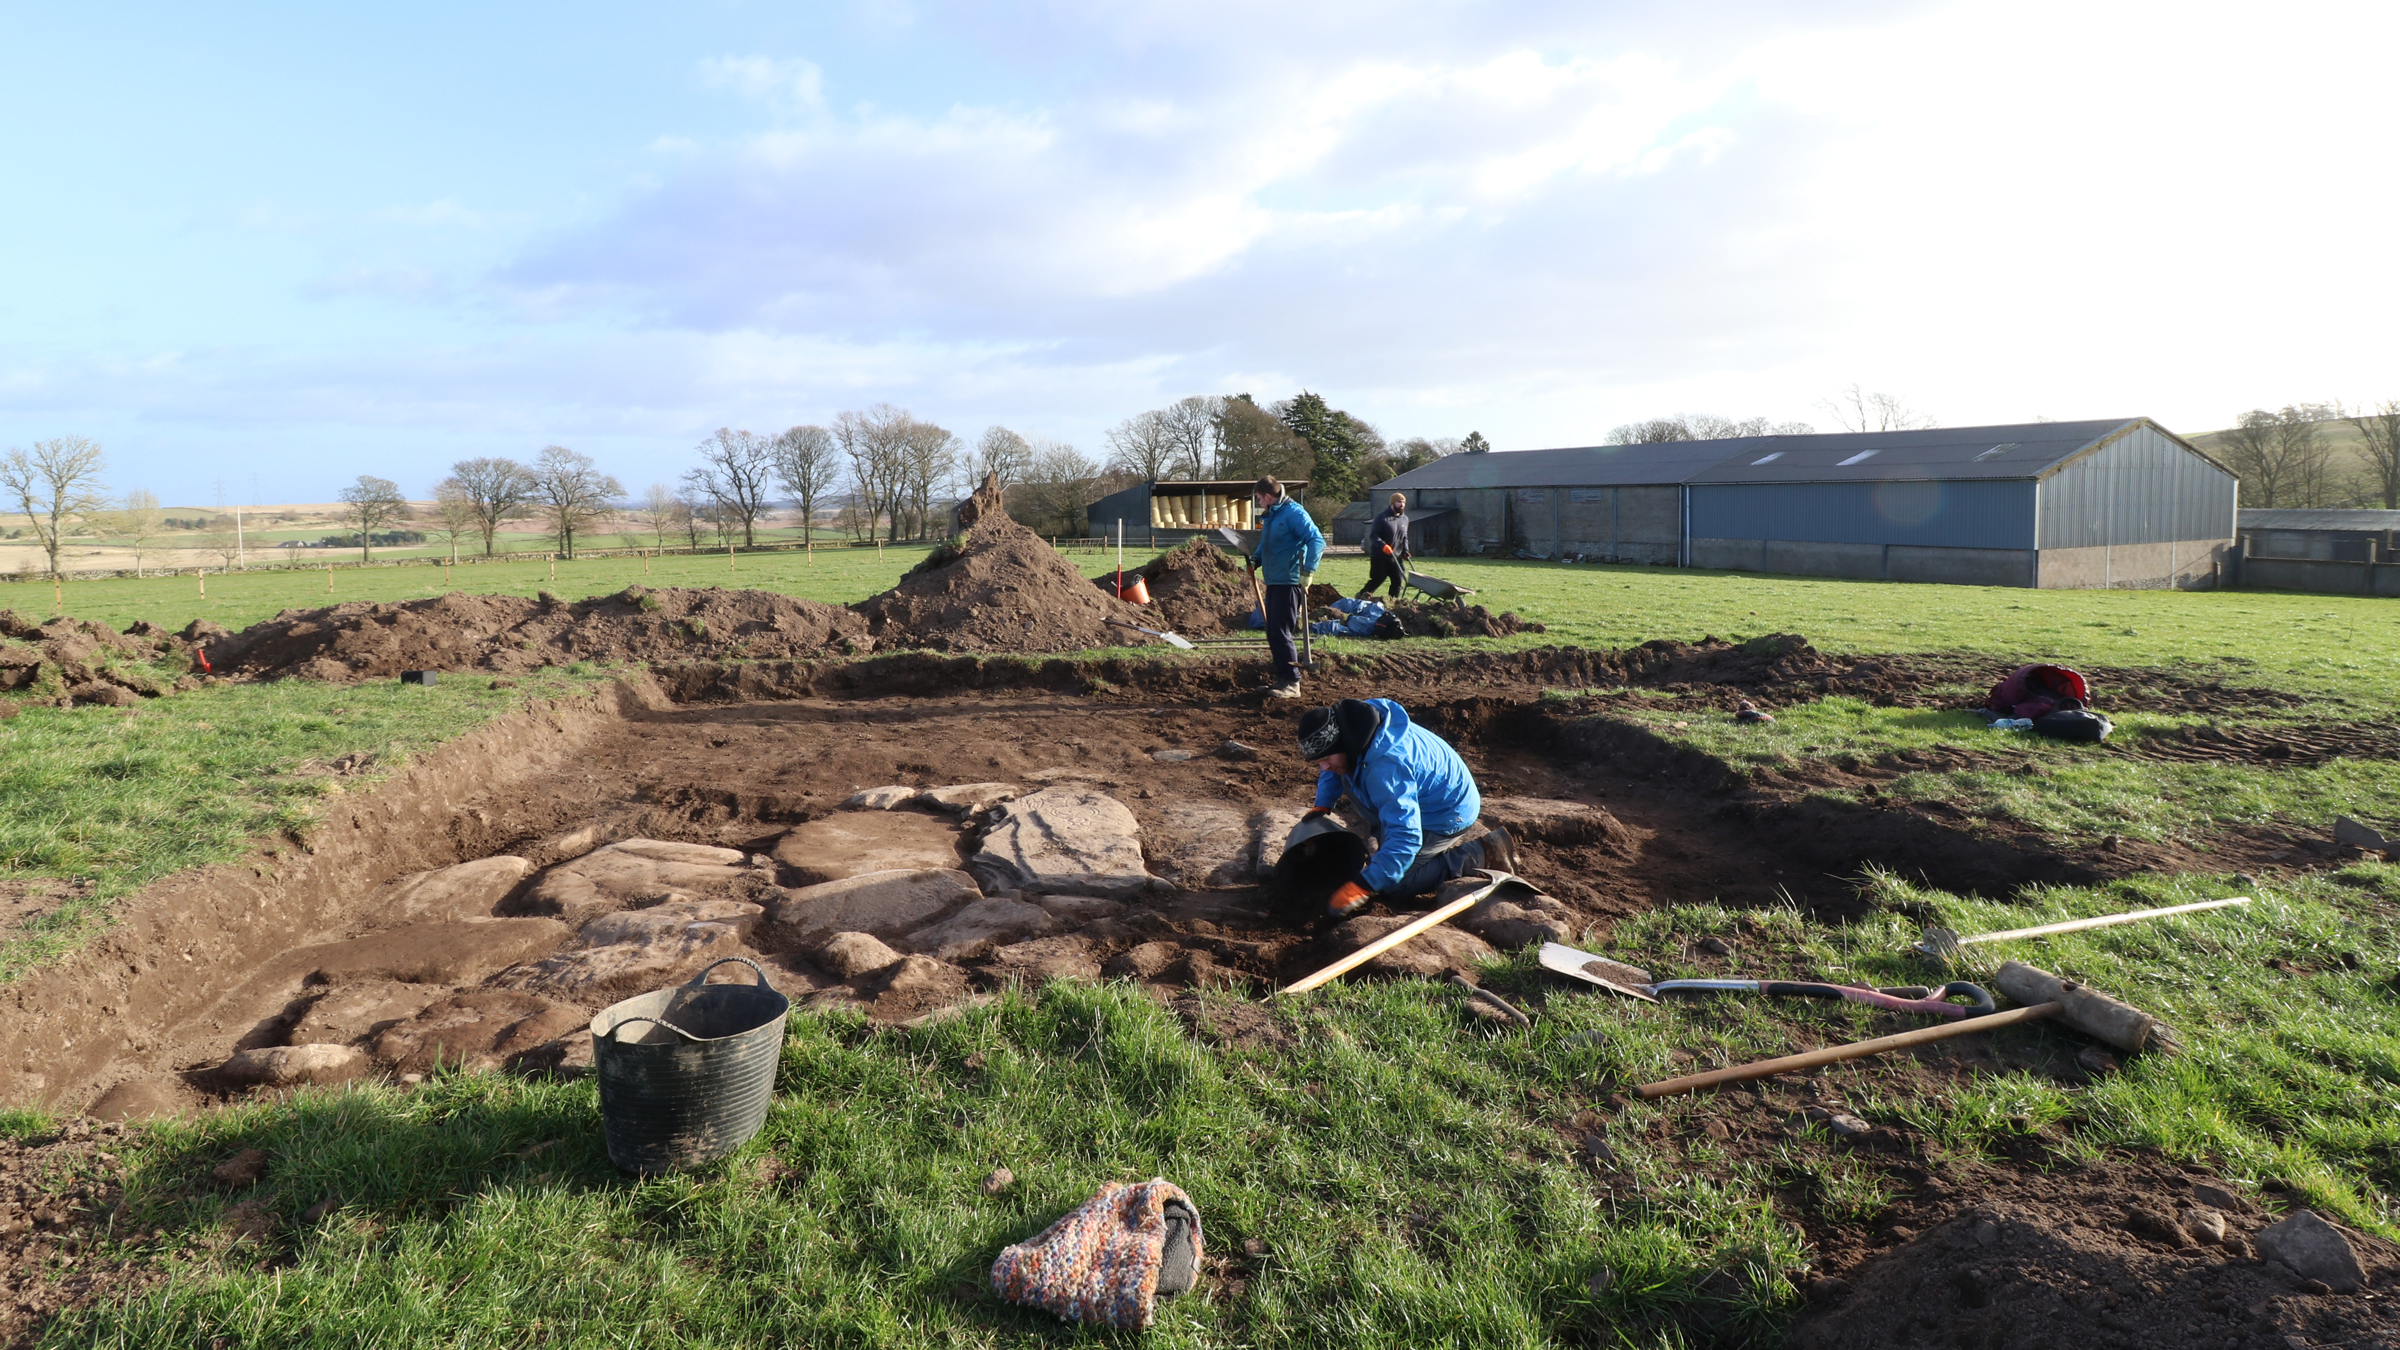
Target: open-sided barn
2120	503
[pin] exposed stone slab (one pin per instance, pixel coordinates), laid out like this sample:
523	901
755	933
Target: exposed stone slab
1267	831
882	798
438	951
469	890
1064	840
479	1029
852	843
1050	958
997	921
1200	844
850	955
646	925
887	905
294	1065
636	872
352	1012
635	951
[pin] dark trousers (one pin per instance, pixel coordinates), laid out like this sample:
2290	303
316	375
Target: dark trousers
1380	568
1429	872
1284	616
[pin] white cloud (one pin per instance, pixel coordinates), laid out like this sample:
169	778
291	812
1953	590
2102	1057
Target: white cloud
788	86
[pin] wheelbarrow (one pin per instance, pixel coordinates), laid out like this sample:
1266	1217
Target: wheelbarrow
1436	588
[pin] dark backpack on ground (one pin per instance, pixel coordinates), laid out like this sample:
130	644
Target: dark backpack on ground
2073	724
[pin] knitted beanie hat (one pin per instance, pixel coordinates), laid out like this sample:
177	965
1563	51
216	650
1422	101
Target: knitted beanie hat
1347	726
1109	1260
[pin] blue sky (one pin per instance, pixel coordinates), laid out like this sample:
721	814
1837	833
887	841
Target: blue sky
279	246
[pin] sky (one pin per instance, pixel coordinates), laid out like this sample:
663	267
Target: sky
258	250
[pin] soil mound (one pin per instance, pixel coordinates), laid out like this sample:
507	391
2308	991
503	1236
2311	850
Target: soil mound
2103	1256
363	640
81	661
1458	621
998	588
1198	588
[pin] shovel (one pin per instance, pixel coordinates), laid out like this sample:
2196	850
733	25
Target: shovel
1169	638
1613	976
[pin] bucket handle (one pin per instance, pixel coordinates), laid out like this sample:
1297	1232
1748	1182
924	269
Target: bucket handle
702	978
654	1021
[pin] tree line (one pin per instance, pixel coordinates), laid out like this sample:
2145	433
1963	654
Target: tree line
2286	457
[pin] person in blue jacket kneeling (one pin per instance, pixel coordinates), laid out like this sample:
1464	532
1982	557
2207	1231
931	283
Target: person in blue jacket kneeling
1420	792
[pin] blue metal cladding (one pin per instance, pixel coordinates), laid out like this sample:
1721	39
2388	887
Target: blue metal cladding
2141	488
1975	514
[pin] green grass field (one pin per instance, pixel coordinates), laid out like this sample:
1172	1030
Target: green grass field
1409	1176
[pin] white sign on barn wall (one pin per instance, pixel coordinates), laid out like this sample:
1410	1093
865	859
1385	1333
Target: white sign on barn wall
1587	496
1533	496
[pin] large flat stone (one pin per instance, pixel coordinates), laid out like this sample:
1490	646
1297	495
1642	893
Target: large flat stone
1050	958
1268	829
636	872
469	890
648	925
437	951
998	921
479	1029
886	905
1064	840
852	843
352	1012
1439	950
1201	844
633	956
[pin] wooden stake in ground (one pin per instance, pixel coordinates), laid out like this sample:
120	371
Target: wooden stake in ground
645	562
58	595
204	583
329	576
554	567
729	554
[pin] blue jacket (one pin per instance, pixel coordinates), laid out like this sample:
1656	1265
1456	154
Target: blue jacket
1416	785
1289	544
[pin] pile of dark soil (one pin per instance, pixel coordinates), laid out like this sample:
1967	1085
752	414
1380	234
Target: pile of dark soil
364	640
1198	588
2095	1256
1000	588
87	662
1442	621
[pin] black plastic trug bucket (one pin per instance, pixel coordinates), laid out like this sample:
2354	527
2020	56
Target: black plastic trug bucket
1318	856
686	1074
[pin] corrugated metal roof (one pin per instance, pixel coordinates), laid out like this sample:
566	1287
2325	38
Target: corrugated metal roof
2026	450
2289	518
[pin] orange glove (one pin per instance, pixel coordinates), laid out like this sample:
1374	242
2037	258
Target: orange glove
1316	811
1387	549
1348	899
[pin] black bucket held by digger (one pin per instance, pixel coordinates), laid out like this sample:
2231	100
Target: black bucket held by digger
686	1074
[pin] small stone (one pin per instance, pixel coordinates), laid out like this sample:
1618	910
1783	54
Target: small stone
1714	946
1717	1130
1603	1279
1171	756
1847	1126
968	799
850	955
1828	1289
2220	1198
2205	1224
1144	962
320	1209
882	798
1986	1233
1597	1152
1000	1180
1237	750
2315	1250
2096	1061
2156	1227
242	1169
1254	1246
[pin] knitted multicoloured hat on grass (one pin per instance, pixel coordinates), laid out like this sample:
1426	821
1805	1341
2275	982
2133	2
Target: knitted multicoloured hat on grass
1109	1260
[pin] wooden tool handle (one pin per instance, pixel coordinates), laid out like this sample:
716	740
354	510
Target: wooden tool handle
1393	939
1768	1068
2103	921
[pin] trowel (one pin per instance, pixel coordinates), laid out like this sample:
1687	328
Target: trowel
1169	638
1614	976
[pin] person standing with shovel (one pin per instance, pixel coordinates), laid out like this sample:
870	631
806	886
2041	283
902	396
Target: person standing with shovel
1289	548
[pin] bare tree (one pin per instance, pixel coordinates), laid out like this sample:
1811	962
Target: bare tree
1002	452
1058	486
499	489
2379	429
737	471
876	442
56	486
369	505
1701	427
808	464
928	459
658	511
455	515
137	519
2280	457
1191	425
1857	410
1143	445
571	494
687	521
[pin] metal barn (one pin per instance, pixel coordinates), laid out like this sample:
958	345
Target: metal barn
2119	503
2335	552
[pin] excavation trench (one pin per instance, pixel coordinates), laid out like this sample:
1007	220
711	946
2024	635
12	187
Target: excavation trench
333	939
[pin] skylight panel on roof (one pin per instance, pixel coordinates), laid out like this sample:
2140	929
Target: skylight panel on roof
1766	459
1861	455
1997	450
